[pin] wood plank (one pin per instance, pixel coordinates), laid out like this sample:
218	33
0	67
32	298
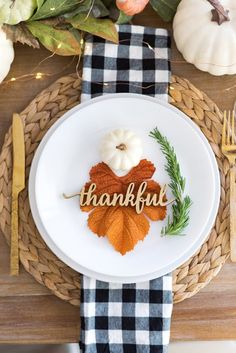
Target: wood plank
35	313
39	317
210	314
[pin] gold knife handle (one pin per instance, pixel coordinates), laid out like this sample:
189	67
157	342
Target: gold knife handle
14	264
232	215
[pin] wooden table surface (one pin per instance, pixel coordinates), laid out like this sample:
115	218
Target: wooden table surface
29	312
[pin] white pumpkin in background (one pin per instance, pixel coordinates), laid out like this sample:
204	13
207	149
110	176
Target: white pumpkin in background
15	11
6	55
121	149
205	33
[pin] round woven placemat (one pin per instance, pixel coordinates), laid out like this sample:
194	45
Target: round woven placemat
37	258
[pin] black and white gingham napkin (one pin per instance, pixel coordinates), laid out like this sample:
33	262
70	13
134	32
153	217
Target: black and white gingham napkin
126	318
139	64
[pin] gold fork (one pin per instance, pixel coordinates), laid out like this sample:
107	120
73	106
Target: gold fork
229	150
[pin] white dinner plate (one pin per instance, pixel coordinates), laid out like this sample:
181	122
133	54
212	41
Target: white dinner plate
62	163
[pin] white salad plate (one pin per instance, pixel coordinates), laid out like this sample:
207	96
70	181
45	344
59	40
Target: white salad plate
62	163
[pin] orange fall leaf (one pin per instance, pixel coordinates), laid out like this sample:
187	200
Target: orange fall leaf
122	225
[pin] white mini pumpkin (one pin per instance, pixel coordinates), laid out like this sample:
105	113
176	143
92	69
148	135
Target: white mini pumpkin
13	12
121	149
208	45
6	55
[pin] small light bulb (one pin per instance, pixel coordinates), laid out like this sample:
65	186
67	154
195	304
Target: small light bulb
38	76
13	79
59	46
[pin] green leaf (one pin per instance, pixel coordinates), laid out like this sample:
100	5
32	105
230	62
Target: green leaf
83	7
108	3
52	8
165	8
76	34
61	42
104	28
99	9
40	3
123	18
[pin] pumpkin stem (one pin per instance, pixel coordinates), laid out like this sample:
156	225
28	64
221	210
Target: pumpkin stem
121	147
12	4
219	14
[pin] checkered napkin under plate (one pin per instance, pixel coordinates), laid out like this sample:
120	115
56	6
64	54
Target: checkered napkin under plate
126	318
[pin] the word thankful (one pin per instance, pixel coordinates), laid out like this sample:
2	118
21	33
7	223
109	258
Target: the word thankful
139	199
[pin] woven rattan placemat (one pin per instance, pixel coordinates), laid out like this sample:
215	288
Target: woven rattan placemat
37	258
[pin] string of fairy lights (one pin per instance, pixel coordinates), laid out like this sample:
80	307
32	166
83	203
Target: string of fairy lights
39	75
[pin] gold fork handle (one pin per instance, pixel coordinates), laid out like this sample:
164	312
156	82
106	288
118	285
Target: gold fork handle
232	215
14	264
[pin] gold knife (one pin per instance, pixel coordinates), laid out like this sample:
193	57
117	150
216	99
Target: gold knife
18	184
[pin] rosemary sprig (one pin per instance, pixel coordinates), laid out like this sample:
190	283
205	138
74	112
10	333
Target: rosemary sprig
181	205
